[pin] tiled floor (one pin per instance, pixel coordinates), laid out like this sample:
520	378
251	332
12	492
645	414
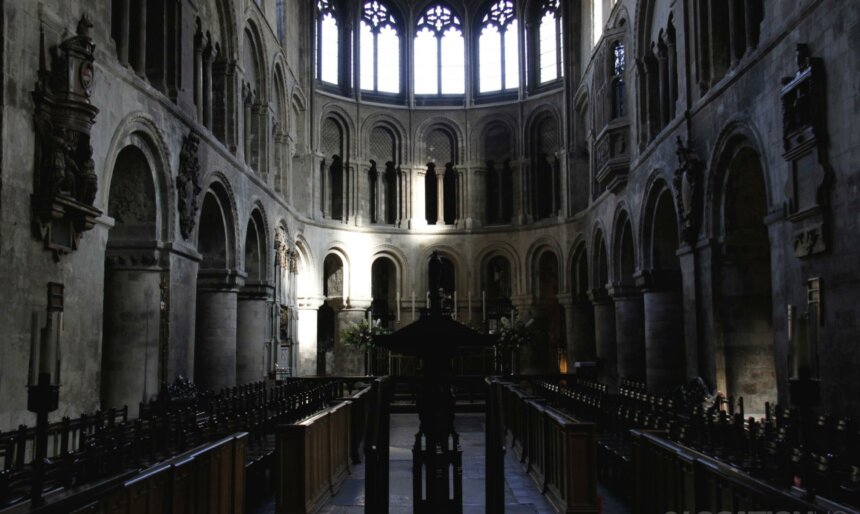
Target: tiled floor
521	494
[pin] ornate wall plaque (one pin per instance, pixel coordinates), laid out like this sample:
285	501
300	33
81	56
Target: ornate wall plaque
804	126
188	184
687	185
66	181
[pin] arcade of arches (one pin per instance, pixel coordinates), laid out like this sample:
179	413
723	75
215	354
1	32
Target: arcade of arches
667	189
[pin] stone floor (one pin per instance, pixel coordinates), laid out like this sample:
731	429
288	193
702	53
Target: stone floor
521	494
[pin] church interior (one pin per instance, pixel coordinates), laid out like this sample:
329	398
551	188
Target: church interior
430	256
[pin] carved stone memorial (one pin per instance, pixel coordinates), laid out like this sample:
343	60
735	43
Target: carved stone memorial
804	139
66	181
188	184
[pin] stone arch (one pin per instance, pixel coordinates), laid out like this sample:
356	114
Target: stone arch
533	255
139	130
745	349
496	122
392	125
447	252
578	278
227	26
544	140
131	332
495	249
385	286
254	59
256	246
338	115
396	255
600	264
736	136
218	190
449	127
624	254
658	208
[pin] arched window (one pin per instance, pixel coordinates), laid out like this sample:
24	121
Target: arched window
617	73
380	49
440	53
550	36
328	43
498	56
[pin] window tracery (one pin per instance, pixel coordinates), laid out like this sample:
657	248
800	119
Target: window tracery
440	50
380	49
498	48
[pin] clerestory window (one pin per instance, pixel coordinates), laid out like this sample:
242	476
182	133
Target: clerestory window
498	48
328	43
380	49
550	36
440	55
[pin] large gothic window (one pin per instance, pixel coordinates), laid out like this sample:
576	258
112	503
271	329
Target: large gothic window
498	57
550	37
439	53
380	49
328	43
617	73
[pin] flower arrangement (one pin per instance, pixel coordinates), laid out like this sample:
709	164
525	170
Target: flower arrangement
512	335
362	334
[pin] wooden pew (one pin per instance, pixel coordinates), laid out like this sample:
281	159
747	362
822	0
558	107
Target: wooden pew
669	477
313	458
559	452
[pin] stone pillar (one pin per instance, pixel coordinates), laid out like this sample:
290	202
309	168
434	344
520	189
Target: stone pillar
604	337
664	331
735	51
381	217
579	327
215	348
307	335
629	336
122	41
419	198
198	75
207	85
663	67
246	124
138	59
519	192
440	195
349	361
252	327
750	25
130	349
673	77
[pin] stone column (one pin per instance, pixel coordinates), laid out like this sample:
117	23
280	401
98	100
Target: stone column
664	331
122	41
215	348
208	52
629	331
440	195
246	123
604	337
253	329
138	59
673	77
349	361
519	192
307	335
198	76
418	182
479	196
750	21
663	68
130	349
735	51
579	327
380	198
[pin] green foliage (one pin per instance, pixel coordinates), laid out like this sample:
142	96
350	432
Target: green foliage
514	335
362	334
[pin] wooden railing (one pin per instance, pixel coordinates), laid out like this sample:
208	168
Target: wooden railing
669	477
206	479
313	456
559	452
108	444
